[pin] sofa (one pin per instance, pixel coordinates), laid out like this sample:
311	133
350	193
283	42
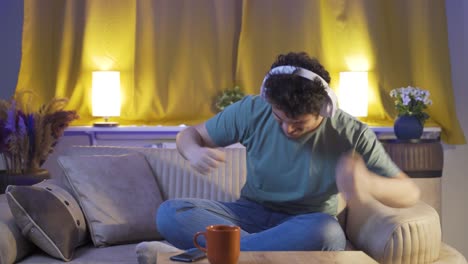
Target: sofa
388	235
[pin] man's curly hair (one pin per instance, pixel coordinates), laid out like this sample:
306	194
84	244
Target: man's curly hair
293	94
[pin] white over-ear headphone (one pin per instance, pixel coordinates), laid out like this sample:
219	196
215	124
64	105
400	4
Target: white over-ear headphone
330	106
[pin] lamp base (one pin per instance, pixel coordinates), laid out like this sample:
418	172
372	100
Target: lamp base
105	124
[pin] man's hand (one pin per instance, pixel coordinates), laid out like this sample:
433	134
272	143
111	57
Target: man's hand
204	159
353	177
196	146
357	183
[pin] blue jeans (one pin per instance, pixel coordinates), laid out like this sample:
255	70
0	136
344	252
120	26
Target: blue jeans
261	229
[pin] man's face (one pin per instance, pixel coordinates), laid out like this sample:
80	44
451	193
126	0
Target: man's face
295	128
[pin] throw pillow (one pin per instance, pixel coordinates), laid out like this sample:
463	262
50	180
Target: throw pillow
118	194
48	216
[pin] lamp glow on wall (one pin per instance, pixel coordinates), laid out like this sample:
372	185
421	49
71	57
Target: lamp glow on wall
106	98
353	93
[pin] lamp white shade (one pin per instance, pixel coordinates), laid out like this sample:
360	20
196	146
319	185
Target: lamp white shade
353	93
106	98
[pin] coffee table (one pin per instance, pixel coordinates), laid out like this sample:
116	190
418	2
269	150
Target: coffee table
289	257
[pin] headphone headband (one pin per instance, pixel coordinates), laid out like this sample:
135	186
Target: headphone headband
330	106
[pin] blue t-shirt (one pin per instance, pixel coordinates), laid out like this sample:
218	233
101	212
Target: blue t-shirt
295	176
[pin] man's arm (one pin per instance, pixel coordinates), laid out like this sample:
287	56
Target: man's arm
398	191
355	181
196	146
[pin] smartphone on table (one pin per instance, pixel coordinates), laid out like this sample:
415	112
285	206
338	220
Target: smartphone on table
190	255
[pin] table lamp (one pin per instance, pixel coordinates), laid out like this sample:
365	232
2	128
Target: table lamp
353	93
106	96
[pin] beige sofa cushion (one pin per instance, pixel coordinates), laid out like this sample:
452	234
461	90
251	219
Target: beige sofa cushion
395	235
49	217
118	194
450	255
88	254
175	176
13	245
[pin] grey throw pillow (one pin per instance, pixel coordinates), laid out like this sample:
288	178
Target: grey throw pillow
118	194
49	217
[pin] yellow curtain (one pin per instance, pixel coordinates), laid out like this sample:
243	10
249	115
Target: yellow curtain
175	56
400	43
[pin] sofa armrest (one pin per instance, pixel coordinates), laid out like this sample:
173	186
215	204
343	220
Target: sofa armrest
395	235
13	245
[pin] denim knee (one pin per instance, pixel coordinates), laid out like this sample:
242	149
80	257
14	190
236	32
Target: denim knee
178	220
166	215
332	234
162	214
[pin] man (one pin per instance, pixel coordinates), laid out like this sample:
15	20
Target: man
301	151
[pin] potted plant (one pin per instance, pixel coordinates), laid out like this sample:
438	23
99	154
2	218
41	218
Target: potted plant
410	103
228	97
28	136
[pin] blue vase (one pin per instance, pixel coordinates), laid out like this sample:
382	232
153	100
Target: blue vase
408	127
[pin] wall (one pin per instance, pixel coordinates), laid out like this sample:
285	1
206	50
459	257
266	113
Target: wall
455	178
11	19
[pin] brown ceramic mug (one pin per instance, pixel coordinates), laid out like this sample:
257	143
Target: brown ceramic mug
222	243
